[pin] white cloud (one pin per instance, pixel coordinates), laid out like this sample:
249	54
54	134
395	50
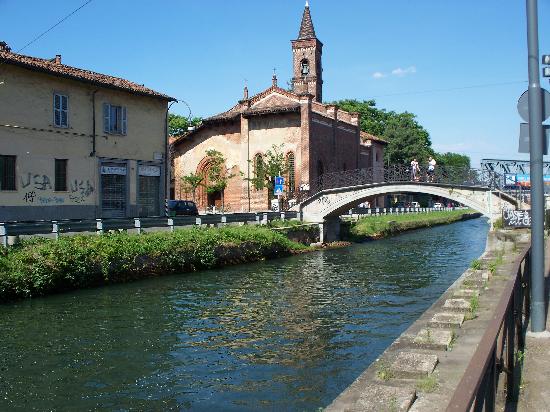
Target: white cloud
403	72
378	75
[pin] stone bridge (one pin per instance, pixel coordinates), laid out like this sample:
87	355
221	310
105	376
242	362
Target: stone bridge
336	193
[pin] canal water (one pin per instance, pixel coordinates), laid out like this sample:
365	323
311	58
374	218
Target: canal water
284	335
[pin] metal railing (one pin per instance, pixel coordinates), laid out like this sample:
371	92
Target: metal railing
496	354
100	226
458	176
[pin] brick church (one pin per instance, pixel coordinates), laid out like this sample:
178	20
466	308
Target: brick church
316	138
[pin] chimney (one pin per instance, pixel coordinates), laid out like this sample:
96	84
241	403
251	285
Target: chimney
4	47
274	80
57	59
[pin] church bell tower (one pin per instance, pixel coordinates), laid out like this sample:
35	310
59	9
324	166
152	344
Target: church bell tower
307	51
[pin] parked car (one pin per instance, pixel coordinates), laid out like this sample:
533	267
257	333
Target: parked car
438	205
182	208
415	205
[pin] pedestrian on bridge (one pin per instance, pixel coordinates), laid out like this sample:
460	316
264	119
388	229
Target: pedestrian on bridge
431	169
415	169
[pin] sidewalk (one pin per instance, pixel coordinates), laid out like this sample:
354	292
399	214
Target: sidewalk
535	387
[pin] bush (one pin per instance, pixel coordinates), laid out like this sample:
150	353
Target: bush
40	266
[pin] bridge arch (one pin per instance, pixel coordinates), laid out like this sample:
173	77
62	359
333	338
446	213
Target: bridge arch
331	203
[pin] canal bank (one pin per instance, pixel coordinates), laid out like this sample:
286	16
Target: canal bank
286	334
421	370
41	267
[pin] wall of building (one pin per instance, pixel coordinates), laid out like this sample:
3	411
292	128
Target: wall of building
27	131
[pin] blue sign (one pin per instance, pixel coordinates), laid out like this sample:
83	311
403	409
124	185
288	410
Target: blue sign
279	185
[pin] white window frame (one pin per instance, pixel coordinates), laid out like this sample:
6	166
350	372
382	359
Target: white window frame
108	124
61	110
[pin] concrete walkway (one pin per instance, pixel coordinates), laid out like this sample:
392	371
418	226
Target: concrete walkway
535	387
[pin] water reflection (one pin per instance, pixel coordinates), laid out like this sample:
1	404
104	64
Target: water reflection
283	335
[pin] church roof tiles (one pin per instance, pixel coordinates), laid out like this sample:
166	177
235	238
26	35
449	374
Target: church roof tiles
307	31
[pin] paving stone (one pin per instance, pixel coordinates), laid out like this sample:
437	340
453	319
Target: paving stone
378	398
457	305
447	320
466	293
413	365
473	281
437	339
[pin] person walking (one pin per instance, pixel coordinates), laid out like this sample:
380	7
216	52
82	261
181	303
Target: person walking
415	169
431	169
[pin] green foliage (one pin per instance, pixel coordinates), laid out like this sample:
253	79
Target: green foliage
476	264
383	371
407	139
381	226
427	384
178	125
218	174
41	267
191	182
273	163
453	160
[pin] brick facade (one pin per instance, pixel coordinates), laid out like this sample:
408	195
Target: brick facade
320	137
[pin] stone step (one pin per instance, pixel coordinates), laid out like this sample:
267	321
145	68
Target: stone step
435	339
457	305
413	365
446	320
376	398
466	293
474	281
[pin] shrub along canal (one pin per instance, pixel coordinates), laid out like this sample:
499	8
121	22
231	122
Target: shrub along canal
287	334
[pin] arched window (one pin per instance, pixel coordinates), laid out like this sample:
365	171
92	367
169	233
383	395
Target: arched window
320	168
259	173
304	67
291	172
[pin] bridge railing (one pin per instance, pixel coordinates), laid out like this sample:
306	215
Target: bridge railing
497	353
459	176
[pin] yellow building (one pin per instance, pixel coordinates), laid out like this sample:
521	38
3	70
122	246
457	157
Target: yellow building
78	144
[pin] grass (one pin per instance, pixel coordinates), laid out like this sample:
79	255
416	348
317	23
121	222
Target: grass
474	306
427	384
40	266
383	371
382	226
454	337
476	264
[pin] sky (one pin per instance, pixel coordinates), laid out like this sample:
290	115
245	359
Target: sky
459	65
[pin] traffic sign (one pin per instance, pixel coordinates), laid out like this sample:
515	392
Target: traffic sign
523	105
279	185
524	138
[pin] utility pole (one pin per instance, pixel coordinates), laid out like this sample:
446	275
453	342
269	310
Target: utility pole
536	147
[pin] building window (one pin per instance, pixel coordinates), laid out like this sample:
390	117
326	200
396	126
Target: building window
304	67
114	119
60	110
60	175
7	173
291	164
259	173
376	156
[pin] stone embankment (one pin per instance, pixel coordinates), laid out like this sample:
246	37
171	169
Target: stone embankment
422	368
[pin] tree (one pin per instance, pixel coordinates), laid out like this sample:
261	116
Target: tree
373	120
179	125
217	174
453	160
406	140
273	163
191	182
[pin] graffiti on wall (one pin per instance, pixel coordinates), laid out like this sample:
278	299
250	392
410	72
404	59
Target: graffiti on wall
35	184
80	191
36	181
